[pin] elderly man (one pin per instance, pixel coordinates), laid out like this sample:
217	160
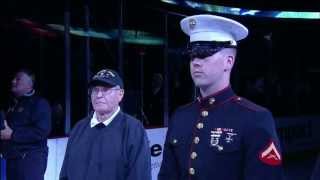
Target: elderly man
220	136
109	144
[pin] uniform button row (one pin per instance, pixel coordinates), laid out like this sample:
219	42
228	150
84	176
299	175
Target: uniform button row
193	155
204	113
192	171
200	125
212	100
196	140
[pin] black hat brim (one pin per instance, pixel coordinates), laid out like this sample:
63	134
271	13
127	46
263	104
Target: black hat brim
100	82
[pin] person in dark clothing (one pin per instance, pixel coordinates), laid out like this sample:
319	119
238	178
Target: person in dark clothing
316	170
27	126
220	136
108	144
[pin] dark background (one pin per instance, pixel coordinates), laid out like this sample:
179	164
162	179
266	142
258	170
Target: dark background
277	66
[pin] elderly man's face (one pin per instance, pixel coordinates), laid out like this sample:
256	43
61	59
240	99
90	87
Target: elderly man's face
106	99
21	84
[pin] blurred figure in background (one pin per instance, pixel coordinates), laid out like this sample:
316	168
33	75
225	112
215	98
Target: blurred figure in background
27	126
316	171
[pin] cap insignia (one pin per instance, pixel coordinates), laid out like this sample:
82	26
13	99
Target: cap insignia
192	23
104	74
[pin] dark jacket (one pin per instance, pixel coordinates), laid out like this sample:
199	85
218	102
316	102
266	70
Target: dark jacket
119	151
221	137
316	171
30	119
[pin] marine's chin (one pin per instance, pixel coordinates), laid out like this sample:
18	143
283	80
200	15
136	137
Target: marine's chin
199	82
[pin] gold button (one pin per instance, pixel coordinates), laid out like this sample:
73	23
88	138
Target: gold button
204	113
212	100
196	140
192	171
193	155
200	125
174	141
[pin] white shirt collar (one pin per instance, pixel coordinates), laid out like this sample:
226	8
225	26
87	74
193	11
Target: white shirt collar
94	121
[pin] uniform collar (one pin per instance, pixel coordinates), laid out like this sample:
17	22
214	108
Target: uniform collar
216	98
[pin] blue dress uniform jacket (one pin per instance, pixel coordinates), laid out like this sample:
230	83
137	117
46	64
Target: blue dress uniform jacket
221	137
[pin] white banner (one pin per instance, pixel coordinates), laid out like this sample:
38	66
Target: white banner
156	137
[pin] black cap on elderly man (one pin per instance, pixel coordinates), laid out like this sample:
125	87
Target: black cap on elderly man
106	77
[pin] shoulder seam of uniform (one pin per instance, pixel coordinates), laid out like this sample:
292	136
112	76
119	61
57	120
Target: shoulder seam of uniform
239	100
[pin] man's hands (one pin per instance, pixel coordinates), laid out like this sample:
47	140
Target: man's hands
6	133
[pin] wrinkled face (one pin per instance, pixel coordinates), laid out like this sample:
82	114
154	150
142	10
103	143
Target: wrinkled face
106	99
211	70
21	84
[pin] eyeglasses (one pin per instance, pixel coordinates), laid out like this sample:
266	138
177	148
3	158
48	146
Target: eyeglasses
103	90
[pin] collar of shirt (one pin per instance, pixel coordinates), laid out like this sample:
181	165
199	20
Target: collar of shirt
94	121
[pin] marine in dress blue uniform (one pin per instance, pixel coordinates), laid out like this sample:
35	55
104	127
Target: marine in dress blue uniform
220	136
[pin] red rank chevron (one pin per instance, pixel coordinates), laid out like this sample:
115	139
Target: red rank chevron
270	155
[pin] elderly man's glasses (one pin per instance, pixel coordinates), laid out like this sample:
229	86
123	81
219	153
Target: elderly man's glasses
103	90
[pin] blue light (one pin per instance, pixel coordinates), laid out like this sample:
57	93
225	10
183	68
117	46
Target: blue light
245	12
